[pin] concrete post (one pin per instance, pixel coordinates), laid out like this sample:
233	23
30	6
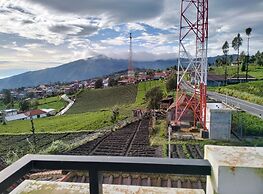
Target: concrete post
235	170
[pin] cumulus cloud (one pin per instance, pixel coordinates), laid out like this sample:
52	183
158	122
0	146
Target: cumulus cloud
52	32
115	10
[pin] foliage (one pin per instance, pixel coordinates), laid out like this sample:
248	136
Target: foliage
99	83
237	42
225	48
115	114
24	105
56	147
250	91
7	96
171	83
253	70
248	31
144	87
153	97
251	125
113	82
259	58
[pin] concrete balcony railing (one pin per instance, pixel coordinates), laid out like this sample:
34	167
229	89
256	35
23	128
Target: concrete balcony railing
228	169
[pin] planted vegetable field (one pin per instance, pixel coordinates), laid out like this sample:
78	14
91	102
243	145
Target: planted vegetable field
95	100
131	140
19	145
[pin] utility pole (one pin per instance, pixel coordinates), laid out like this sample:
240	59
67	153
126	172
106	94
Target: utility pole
130	66
33	130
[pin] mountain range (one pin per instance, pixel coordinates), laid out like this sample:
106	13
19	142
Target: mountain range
82	69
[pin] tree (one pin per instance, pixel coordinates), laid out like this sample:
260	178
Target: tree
99	83
24	105
259	58
113	82
248	32
236	44
7	97
153	97
243	61
115	114
171	83
225	49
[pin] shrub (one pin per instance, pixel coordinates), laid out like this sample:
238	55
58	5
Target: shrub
56	147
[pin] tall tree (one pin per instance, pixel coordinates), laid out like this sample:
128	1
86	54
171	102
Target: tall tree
225	49
171	83
7	97
153	97
99	83
236	44
243	60
259	58
248	33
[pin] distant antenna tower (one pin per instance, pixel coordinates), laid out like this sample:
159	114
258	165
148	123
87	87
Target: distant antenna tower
130	66
192	62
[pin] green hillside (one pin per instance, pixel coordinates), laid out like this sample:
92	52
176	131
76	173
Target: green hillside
95	100
250	91
75	122
253	70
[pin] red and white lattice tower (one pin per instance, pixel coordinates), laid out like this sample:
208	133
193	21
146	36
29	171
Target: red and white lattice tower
131	73
192	61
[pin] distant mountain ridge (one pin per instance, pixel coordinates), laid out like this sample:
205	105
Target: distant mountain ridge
82	69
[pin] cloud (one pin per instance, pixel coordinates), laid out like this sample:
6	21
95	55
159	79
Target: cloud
51	32
115	10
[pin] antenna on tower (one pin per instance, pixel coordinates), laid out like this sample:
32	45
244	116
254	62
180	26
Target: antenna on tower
130	66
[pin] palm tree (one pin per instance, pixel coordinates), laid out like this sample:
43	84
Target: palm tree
225	49
236	43
248	32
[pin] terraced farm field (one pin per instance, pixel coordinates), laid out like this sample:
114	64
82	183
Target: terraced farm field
75	122
13	147
95	100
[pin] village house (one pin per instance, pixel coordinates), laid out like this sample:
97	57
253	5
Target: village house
36	114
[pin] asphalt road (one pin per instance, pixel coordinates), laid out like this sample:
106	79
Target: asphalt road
248	107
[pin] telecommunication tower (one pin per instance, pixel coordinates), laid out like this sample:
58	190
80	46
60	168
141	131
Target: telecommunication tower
130	66
192	61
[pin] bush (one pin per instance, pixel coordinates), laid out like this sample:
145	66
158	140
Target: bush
99	83
251	125
171	83
153	97
56	147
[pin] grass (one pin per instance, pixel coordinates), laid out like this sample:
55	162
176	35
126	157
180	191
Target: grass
253	70
93	108
251	125
95	100
44	103
250	91
144	87
73	122
51	102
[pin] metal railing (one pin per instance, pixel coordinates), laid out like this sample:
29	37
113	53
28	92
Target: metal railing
98	164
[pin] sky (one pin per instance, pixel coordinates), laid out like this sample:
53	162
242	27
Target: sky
38	34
